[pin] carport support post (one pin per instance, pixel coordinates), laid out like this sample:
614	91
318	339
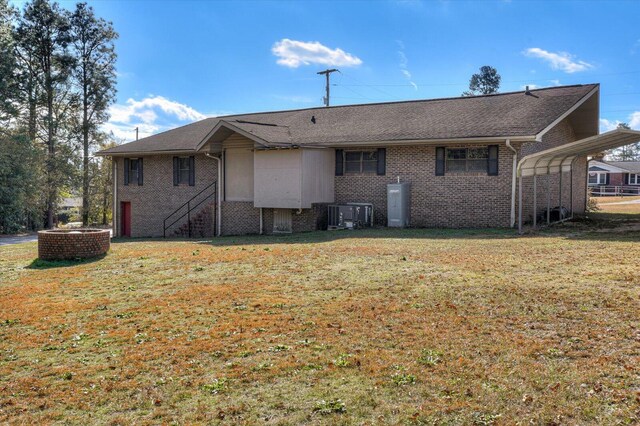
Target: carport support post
560	193
548	198
535	200
571	185
520	203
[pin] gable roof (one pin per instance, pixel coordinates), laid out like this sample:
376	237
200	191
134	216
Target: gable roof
610	166
629	166
516	114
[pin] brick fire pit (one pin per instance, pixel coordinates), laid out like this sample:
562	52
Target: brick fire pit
65	244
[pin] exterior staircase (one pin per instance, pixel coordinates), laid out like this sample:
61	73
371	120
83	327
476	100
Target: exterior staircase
202	224
200	213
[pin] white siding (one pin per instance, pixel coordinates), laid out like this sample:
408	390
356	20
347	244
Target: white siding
238	167
318	170
278	179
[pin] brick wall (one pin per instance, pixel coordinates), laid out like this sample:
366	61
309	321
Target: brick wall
157	197
465	200
616	179
454	200
241	218
62	245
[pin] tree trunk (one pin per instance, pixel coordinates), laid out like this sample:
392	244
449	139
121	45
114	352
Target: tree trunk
85	159
51	184
33	96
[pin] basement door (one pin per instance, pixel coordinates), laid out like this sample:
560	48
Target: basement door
282	223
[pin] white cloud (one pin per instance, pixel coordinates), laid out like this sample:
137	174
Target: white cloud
150	115
295	99
607	125
555	82
633	120
293	53
404	62
559	61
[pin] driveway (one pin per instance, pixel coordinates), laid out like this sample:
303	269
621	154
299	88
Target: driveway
5	241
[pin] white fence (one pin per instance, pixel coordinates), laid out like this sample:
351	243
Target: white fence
614	190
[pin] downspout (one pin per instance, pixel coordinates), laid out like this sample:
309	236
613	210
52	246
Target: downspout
261	222
218	193
114	208
513	182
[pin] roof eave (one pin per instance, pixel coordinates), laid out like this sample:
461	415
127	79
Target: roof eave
143	153
401	142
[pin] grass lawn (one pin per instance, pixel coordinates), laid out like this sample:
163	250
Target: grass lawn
607	200
609	205
366	327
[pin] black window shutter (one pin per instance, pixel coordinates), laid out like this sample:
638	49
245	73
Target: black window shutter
339	162
176	171
607	178
440	161
126	171
140	173
492	163
382	161
192	171
627	178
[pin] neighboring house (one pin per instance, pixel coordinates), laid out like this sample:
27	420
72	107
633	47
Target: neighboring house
607	177
278	171
69	209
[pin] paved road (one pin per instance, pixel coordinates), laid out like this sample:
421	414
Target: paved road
5	241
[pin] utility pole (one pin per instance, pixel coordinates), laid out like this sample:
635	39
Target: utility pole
326	73
136	133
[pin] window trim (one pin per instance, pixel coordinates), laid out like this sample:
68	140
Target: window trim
361	161
601	178
636	180
191	175
132	175
181	169
486	159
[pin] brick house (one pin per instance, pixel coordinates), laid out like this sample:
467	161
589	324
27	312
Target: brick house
278	171
614	177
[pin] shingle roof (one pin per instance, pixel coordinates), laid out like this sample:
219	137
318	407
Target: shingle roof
632	166
501	115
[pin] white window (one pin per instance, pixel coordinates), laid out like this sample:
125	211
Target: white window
597	178
360	162
467	159
634	179
184	170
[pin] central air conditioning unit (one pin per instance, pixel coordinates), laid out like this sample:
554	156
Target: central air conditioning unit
350	216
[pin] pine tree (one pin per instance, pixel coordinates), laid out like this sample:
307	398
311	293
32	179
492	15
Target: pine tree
42	38
92	41
484	83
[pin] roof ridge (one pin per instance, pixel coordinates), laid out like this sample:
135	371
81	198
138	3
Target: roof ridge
407	101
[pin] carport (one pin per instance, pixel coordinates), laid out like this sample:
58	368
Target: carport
562	159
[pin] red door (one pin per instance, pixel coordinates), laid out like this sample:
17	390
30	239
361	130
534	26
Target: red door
125	219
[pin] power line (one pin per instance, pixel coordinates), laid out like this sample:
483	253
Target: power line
465	84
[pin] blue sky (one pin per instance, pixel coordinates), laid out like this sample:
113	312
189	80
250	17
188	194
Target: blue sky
183	60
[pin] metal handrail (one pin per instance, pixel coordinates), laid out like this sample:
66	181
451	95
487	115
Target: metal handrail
189	209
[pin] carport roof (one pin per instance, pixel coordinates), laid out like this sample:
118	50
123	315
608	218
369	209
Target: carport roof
554	160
